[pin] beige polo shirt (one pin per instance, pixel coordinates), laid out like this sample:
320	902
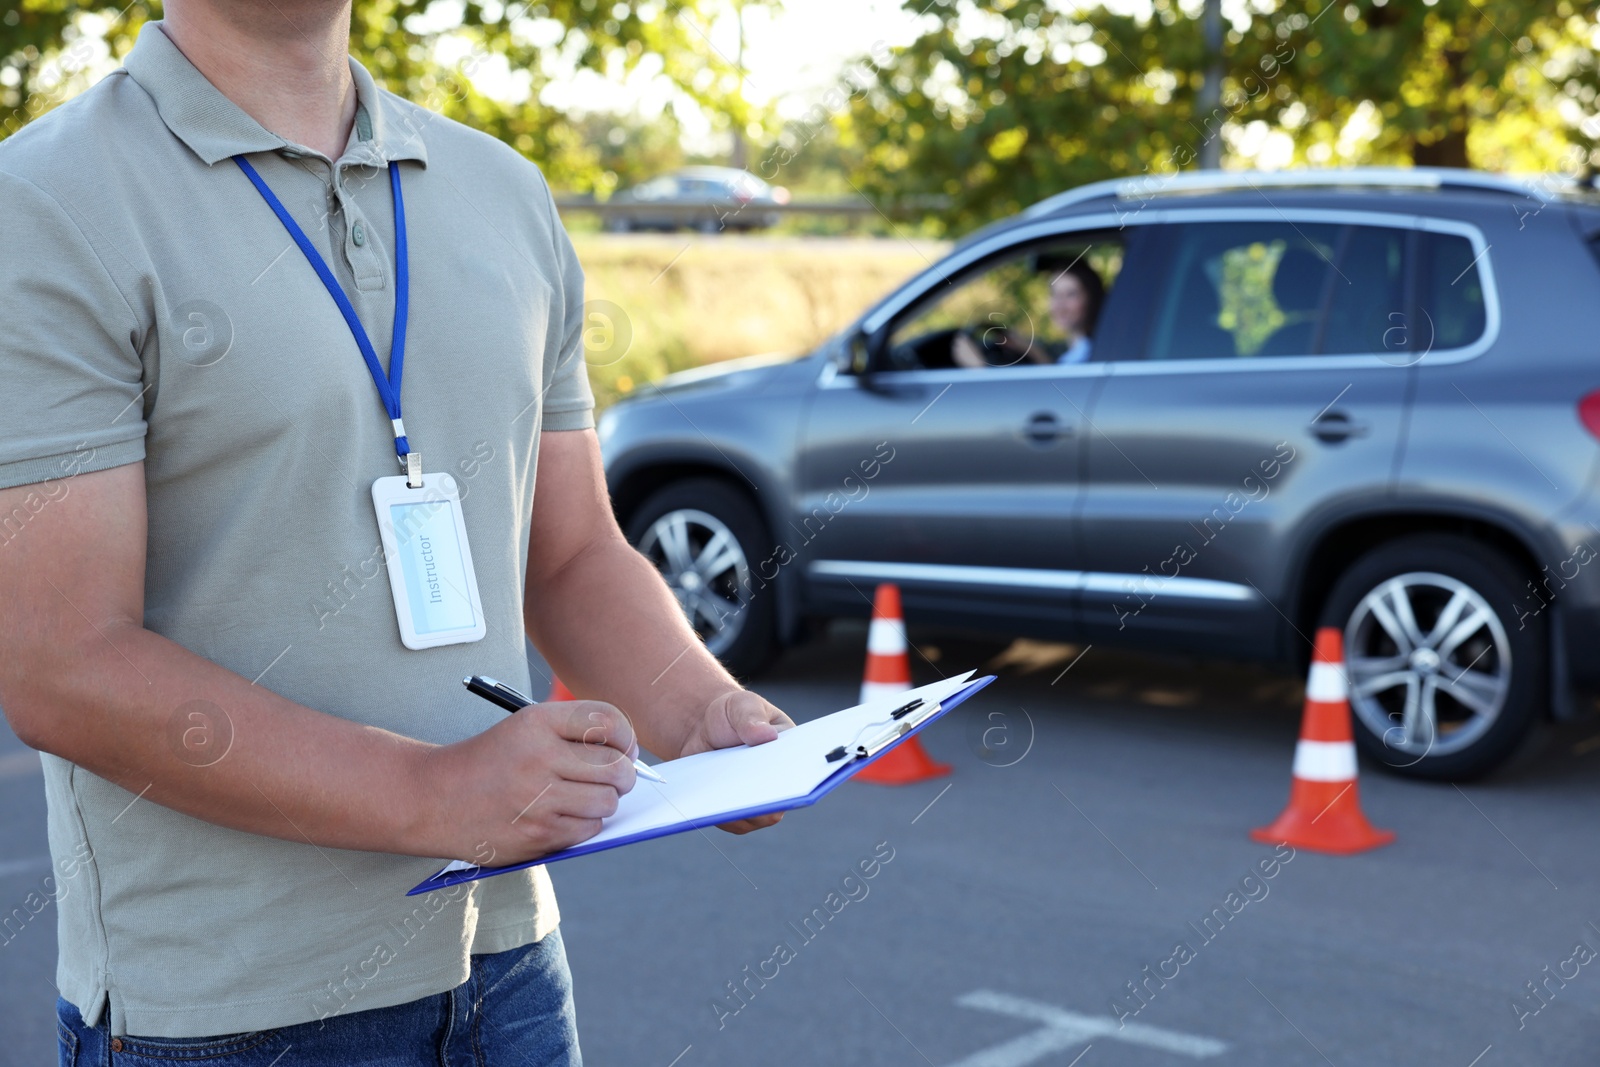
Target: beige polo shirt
152	307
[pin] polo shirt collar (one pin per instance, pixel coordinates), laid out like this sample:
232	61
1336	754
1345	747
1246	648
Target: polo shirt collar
386	128
215	128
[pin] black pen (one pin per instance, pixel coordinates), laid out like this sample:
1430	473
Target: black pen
503	696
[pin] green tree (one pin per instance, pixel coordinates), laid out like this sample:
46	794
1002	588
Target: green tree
1004	102
45	51
45	47
1487	83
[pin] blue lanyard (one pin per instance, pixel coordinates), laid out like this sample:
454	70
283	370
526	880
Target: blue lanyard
388	385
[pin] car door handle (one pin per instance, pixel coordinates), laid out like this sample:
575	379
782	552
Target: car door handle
1334	427
1043	428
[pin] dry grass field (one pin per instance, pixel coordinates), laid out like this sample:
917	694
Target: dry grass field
658	303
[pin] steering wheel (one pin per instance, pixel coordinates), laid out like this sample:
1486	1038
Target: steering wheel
990	341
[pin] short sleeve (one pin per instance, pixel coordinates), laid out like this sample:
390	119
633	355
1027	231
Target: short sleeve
568	400
70	402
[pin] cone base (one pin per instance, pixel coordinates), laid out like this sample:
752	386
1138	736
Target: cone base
902	765
1324	817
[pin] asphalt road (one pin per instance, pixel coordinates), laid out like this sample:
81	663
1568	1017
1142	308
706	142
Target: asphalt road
1107	813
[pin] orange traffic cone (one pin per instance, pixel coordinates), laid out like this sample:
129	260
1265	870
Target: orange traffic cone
889	671
1324	812
558	691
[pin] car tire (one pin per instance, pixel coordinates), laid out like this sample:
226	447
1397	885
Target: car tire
693	513
1463	699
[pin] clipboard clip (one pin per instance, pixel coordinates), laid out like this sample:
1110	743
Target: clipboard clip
872	748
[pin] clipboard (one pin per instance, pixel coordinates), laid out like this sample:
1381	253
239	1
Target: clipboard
835	746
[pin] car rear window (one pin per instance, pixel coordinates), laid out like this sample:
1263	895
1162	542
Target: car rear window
1287	288
1368	293
1245	289
1451	292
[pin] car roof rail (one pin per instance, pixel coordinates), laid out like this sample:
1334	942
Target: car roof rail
1145	186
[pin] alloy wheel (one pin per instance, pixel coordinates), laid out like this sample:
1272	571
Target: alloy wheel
1429	664
706	568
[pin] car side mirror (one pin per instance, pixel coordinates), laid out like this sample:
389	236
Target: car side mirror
867	351
854	354
842	353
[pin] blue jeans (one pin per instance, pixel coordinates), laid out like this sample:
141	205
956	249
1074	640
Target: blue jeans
515	1008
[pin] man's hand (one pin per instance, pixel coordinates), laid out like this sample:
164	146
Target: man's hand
609	626
739	717
534	783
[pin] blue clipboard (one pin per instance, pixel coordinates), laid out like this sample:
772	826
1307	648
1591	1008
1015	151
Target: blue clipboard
445	879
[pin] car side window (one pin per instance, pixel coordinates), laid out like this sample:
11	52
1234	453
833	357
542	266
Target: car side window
1245	289
662	188
1366	312
1451	292
1039	304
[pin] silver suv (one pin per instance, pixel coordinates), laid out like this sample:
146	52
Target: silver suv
1367	399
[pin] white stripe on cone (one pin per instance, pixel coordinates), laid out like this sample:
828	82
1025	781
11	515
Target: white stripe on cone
1326	683
886	637
1325	761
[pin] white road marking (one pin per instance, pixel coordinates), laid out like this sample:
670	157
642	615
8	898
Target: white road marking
1029	1048
1060	1030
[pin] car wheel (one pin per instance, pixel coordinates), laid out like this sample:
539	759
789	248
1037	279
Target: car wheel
1445	680
705	538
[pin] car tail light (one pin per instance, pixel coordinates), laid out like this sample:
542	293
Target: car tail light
1589	413
780	194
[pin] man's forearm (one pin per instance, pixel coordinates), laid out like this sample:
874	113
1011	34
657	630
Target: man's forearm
180	731
613	631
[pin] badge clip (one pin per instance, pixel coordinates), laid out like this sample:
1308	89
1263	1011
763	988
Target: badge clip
413	470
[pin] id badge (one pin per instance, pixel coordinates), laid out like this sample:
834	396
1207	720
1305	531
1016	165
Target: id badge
430	565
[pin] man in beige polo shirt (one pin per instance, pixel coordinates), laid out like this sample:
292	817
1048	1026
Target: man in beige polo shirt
214	262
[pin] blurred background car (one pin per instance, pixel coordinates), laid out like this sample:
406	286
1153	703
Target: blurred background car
705	199
1365	399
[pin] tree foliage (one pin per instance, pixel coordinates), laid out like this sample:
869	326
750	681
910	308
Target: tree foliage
999	104
44	49
996	104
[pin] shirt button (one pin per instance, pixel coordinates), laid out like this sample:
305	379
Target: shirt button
358	234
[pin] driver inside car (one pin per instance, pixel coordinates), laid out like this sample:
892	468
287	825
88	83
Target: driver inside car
1076	293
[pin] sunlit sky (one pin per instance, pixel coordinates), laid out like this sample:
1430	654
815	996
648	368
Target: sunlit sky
801	50
790	57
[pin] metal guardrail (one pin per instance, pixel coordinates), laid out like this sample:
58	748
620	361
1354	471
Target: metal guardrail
692	213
